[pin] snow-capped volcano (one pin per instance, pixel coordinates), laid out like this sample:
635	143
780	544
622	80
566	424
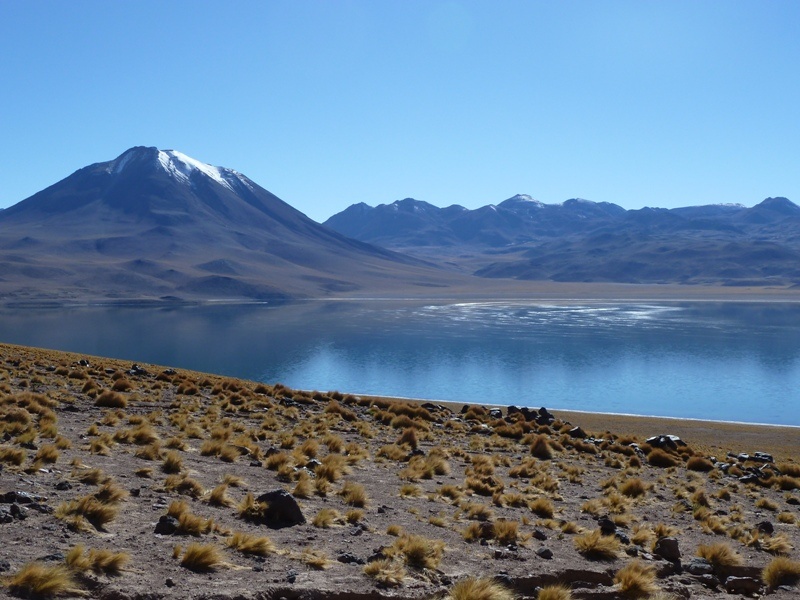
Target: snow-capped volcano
164	222
178	165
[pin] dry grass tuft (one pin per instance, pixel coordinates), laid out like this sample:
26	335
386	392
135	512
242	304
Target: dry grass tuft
542	507
354	494
315	559
172	463
555	592
327	518
219	496
109	399
101	562
419	552
540	448
386	572
636	580
596	546
719	555
659	458
699	463
201	558
479	588
250	544
633	488
85	511
781	571
36	580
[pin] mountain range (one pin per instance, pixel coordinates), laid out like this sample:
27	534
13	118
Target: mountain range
584	241
157	224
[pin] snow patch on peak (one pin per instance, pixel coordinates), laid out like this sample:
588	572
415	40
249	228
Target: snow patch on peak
181	167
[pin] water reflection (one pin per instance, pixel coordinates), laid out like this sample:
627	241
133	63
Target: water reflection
704	360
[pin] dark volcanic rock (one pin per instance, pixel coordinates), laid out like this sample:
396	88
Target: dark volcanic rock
283	510
667	548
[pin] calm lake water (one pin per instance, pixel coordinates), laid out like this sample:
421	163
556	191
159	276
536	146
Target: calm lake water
726	361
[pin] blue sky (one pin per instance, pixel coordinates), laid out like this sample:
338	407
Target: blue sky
329	103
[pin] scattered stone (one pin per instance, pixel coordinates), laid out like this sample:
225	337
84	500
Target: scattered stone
577	432
5	516
137	371
540	535
749	478
699	566
291	576
665	441
135	492
744	456
766	527
667	548
256	463
166	525
350	559
624	539
63	486
709	580
545	553
5	566
20	498
283	510
169	582
607	526
545	417
763	457
54	557
83	362
496	413
742	585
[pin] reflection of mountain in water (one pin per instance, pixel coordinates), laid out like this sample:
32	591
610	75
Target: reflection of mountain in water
706	360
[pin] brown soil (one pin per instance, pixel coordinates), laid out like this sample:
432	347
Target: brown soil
261	429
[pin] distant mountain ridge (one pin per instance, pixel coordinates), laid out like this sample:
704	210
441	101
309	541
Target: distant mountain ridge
585	241
159	224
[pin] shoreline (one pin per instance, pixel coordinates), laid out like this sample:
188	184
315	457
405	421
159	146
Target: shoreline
483	290
711	436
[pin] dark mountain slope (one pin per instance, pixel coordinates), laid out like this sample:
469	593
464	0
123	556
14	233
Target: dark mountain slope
153	223
580	240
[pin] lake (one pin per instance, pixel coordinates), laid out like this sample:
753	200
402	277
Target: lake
722	361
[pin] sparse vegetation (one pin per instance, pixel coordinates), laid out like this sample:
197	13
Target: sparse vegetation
486	486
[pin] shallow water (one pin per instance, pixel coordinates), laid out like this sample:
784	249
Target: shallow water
727	361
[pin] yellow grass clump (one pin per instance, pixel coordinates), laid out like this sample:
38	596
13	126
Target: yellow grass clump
479	588
719	555
596	546
202	558
781	571
36	580
636	580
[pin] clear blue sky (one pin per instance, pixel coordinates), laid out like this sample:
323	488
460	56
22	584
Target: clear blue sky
329	103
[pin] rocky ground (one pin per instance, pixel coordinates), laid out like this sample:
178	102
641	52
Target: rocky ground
122	481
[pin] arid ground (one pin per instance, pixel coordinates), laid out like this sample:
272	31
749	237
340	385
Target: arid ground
143	482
